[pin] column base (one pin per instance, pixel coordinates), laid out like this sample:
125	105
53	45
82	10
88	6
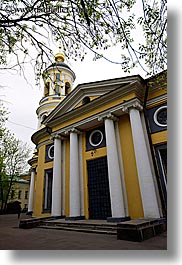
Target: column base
58	216
118	219
74	218
29	213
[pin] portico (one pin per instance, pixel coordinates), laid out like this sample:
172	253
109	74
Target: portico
95	162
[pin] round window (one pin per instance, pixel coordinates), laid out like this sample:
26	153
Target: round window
160	116
51	152
96	138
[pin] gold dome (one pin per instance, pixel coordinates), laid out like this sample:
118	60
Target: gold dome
59	57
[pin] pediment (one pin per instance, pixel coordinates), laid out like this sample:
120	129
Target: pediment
91	90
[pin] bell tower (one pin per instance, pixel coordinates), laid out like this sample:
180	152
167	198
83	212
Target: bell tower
58	83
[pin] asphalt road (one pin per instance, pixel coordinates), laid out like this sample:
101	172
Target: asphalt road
13	238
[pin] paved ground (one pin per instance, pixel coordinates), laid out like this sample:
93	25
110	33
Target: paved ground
13	238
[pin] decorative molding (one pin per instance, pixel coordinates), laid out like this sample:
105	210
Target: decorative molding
72	130
57	136
132	105
157	100
109	116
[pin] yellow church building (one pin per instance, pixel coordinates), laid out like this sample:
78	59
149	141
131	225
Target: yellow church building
101	147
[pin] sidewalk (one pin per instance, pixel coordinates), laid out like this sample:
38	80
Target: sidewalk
13	238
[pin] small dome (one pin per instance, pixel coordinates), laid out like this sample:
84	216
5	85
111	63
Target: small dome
59	57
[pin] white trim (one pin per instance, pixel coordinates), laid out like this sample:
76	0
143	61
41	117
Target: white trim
155	116
49	152
156	100
90	138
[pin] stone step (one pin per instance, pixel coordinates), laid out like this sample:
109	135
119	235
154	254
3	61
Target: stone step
77	229
141	229
82	226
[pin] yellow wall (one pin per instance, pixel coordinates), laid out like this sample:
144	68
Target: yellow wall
130	170
17	186
159	137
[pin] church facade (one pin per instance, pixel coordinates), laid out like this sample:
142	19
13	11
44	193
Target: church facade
101	147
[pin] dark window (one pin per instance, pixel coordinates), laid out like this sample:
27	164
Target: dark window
26	194
48	190
85	100
49	156
19	194
57	77
57	90
161	155
95	138
43	118
12	194
67	88
157	117
161	117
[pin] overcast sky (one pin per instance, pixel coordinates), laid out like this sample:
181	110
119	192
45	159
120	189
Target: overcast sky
22	96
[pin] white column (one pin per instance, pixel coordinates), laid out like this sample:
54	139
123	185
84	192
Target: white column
63	173
81	175
148	194
74	175
31	193
116	193
56	183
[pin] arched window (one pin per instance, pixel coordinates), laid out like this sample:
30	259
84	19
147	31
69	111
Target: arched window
67	88
44	116
47	88
58	77
57	90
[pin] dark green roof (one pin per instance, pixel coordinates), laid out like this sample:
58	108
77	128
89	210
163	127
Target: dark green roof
56	64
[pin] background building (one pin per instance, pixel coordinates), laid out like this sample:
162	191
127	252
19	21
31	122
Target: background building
100	147
19	194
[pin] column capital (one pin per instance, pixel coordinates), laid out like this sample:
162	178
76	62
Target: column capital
72	130
57	136
132	105
32	169
108	116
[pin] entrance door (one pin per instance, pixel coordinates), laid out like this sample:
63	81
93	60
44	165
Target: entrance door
98	189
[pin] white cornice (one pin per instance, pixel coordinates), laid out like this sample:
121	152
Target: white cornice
157	100
110	114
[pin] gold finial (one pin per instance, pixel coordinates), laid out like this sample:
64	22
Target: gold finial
59	57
